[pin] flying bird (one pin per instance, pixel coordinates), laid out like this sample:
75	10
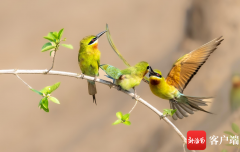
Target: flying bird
178	78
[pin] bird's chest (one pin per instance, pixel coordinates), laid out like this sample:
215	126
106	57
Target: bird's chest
89	56
88	62
128	82
163	90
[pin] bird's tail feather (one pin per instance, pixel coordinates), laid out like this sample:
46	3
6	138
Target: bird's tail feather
187	104
92	90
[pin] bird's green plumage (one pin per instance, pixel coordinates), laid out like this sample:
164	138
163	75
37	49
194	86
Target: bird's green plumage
145	79
111	71
89	57
127	78
89	61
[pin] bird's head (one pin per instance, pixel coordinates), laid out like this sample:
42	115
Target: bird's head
91	41
143	68
155	76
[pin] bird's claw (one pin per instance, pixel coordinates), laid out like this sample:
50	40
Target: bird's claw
119	88
95	78
80	75
111	85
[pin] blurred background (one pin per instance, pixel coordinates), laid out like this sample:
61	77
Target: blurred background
158	32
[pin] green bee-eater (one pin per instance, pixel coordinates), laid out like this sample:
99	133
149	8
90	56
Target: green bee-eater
127	78
89	60
235	92
145	79
178	78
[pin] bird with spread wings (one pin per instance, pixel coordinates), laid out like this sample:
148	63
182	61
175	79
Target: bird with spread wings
180	75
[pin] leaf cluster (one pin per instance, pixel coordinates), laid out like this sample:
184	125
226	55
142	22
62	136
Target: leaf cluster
54	42
169	112
122	119
46	95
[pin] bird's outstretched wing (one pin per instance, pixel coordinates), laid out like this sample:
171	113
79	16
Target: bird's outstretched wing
111	71
188	65
145	79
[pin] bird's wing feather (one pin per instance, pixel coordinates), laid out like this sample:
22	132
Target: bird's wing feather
145	79
114	47
111	71
188	65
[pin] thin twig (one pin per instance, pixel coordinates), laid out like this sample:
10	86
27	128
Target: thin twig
55	52
184	147
23	81
133	106
12	71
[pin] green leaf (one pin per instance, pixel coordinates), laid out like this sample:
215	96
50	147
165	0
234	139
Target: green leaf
173	111
50	38
38	92
127	123
53	99
125	117
55	34
224	150
166	111
117	122
67	46
229	133
42	106
48	48
50	34
54	87
235	128
46	44
169	111
60	34
50	89
51	53
119	115
45	102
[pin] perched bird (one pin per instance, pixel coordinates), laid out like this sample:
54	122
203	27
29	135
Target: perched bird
89	60
127	78
178	78
235	93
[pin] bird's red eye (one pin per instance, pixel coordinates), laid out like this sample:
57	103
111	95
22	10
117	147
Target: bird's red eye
157	74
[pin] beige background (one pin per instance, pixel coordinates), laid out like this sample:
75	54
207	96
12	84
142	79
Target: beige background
157	31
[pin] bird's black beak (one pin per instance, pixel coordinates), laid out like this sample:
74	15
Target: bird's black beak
151	72
100	34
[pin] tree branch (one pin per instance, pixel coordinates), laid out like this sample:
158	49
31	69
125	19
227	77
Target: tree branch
69	74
